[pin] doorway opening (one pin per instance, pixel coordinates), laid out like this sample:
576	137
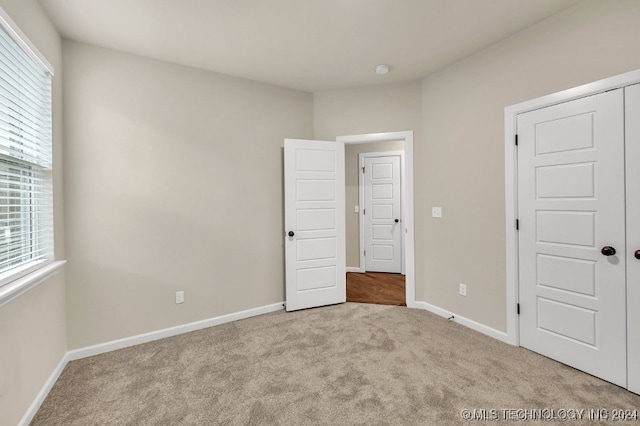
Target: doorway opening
379	218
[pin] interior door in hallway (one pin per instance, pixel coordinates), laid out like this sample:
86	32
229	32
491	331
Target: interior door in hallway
382	215
571	205
314	223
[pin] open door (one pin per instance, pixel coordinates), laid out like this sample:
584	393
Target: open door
314	217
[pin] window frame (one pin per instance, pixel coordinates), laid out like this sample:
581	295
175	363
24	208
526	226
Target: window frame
27	275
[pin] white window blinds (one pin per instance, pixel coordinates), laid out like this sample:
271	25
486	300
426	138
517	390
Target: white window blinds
25	105
26	205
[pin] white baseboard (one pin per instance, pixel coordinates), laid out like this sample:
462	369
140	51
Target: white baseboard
44	391
481	328
353	269
168	332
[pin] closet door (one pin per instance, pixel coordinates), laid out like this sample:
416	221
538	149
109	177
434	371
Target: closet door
632	131
571	207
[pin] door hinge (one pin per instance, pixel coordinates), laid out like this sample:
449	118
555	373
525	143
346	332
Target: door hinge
517	224
516	139
363	169
518	308
364	211
365	253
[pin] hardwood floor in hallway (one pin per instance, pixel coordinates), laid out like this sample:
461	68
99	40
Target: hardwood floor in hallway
376	287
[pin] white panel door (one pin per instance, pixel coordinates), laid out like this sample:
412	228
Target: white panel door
314	223
632	131
571	187
382	227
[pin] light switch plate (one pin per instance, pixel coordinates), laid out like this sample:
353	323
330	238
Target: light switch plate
463	289
356	209
436	211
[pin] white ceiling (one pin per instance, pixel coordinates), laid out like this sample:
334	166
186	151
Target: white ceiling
303	44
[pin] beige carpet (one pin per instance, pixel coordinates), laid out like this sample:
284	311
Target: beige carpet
349	364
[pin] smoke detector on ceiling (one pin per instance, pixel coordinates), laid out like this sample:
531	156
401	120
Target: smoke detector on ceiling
382	69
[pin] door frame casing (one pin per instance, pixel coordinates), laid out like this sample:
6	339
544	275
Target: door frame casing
511	193
409	236
632	187
361	201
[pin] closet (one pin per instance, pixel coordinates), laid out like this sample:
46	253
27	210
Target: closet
578	236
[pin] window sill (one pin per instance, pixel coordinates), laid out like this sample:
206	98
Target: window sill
23	284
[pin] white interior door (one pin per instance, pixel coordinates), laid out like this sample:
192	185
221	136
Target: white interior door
571	187
382	215
632	142
314	223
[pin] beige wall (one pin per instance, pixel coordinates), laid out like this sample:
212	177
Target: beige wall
462	154
352	196
32	327
369	109
174	182
33	336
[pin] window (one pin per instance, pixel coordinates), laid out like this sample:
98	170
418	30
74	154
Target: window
26	203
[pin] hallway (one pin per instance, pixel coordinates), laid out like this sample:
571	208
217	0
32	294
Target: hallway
376	287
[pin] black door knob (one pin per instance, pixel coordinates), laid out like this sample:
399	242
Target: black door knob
291	233
397	220
608	251
636	254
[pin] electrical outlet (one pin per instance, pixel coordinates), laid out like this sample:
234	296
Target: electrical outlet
179	296
436	211
463	289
